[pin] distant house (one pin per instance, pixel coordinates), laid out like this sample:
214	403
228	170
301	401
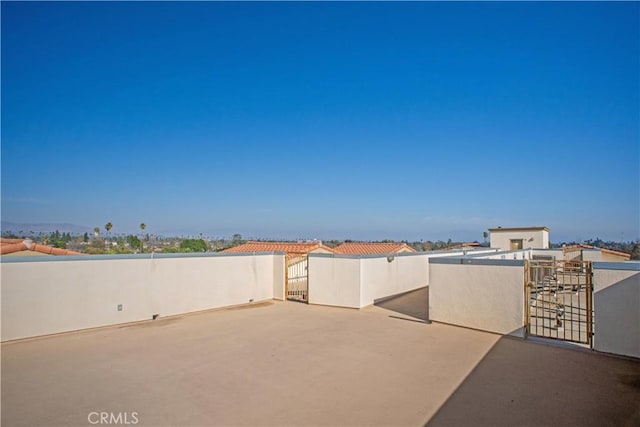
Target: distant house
289	248
465	245
360	248
592	253
296	259
26	247
515	238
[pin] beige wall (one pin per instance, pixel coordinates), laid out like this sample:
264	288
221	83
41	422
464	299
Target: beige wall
485	297
557	254
616	304
279	280
380	278
506	255
589	255
46	297
530	239
334	281
357	281
609	257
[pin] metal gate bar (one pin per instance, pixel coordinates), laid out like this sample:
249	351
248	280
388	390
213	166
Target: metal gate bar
559	300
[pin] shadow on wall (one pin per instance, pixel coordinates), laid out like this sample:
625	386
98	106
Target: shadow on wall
617	317
414	303
521	382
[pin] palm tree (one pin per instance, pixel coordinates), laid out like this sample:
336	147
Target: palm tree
142	227
108	226
96	231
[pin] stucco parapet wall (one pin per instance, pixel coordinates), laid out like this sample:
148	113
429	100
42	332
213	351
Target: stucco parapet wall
478	261
135	256
453	253
365	256
632	266
499	252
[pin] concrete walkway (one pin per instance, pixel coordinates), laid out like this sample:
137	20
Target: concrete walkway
281	363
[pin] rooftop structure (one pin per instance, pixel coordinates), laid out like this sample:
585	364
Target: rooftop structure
277	363
604	254
406	339
516	238
510	229
366	248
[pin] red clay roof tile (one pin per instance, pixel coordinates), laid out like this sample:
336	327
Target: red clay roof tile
360	248
286	247
10	246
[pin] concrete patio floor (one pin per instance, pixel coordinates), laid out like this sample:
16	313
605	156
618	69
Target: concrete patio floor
278	363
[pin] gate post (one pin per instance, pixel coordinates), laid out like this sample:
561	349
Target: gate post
527	308
286	277
589	291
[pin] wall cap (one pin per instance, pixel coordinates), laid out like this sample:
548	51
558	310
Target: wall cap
629	265
150	256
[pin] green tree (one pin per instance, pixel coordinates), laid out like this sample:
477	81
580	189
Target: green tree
193	245
134	242
96	231
85	237
485	236
57	240
108	226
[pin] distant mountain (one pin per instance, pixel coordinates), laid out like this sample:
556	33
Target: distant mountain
26	229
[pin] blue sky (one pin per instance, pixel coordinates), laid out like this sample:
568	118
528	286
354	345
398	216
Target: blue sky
323	120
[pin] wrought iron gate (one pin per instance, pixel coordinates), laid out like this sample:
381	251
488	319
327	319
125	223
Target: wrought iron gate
559	300
297	277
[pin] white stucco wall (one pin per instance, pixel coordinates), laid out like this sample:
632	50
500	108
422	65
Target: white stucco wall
357	281
334	281
591	255
485	297
279	280
381	278
609	257
506	255
530	239
616	304
557	254
46	297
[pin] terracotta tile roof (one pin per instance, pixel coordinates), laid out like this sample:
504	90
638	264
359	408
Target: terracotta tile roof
14	246
286	247
363	248
607	251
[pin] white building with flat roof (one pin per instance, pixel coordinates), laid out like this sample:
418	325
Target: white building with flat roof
515	238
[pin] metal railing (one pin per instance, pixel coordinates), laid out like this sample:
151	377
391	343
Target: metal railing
297	277
559	300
